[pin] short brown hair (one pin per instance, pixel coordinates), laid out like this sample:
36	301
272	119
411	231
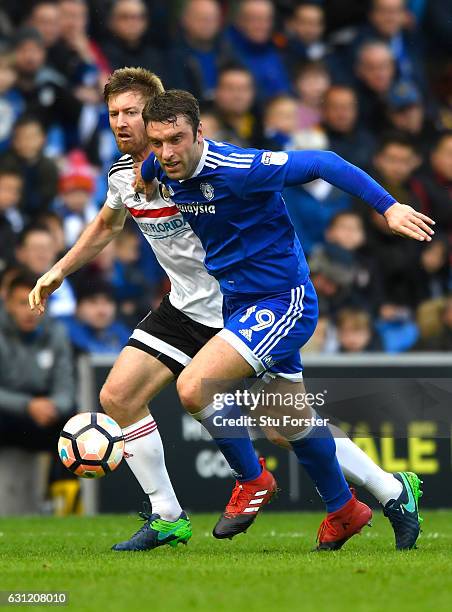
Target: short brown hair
167	106
141	80
357	317
24	278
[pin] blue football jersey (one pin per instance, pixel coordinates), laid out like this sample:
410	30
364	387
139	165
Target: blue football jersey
233	203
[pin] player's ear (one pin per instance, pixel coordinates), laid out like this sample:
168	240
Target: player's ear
199	134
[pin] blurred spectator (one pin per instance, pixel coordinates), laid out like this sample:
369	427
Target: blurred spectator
133	292
45	18
434	186
343	271
406	113
346	231
355	333
311	207
75	203
234	104
395	161
39	172
11	221
6	277
94	328
11	187
199	48
428	319
43	89
441	341
281	123
397	329
305	30
312	81
211	123
54	223
36	373
37	251
332	276
375	72
63	28
81	62
11	102
387	21
433	270
127	44
339	120
394	164
83	54
251	39
324	338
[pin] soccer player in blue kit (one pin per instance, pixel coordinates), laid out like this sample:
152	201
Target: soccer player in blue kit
232	199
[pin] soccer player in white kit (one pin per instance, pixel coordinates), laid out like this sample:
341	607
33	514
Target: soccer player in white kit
167	339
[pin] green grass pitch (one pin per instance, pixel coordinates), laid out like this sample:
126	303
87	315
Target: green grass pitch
269	568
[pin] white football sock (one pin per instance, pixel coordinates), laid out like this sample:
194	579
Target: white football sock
146	459
359	469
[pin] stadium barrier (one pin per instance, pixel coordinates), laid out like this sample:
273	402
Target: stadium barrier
397	408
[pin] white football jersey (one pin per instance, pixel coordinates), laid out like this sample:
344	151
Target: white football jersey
177	248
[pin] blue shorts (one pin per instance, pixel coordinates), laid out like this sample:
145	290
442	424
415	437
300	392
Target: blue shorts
269	331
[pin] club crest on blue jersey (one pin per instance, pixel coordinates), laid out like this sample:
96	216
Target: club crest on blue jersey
207	191
166	192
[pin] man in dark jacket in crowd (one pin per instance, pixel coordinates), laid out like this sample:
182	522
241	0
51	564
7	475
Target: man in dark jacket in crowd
128	43
434	186
45	91
339	120
36	373
251	39
199	48
39	172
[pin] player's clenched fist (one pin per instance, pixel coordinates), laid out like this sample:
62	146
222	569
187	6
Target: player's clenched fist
46	285
405	221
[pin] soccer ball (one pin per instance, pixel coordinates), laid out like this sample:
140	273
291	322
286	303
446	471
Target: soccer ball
91	445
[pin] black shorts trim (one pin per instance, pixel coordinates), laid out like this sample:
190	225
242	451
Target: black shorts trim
175	367
175	329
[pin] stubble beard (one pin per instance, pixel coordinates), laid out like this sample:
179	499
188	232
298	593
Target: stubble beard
134	149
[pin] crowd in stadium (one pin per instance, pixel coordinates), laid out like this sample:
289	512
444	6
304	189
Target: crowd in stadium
371	81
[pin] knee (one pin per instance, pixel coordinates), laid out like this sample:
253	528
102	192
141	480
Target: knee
113	403
189	394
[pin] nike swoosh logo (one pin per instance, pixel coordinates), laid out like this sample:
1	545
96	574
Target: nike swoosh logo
162	536
411	505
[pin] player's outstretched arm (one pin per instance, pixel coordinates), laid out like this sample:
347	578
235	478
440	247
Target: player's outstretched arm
106	225
402	219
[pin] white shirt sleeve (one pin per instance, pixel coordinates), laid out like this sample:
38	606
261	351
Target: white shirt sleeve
114	198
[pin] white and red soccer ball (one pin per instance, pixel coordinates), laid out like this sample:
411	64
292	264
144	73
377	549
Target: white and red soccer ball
91	445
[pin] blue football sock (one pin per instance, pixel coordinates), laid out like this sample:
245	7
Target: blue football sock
232	440
317	454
